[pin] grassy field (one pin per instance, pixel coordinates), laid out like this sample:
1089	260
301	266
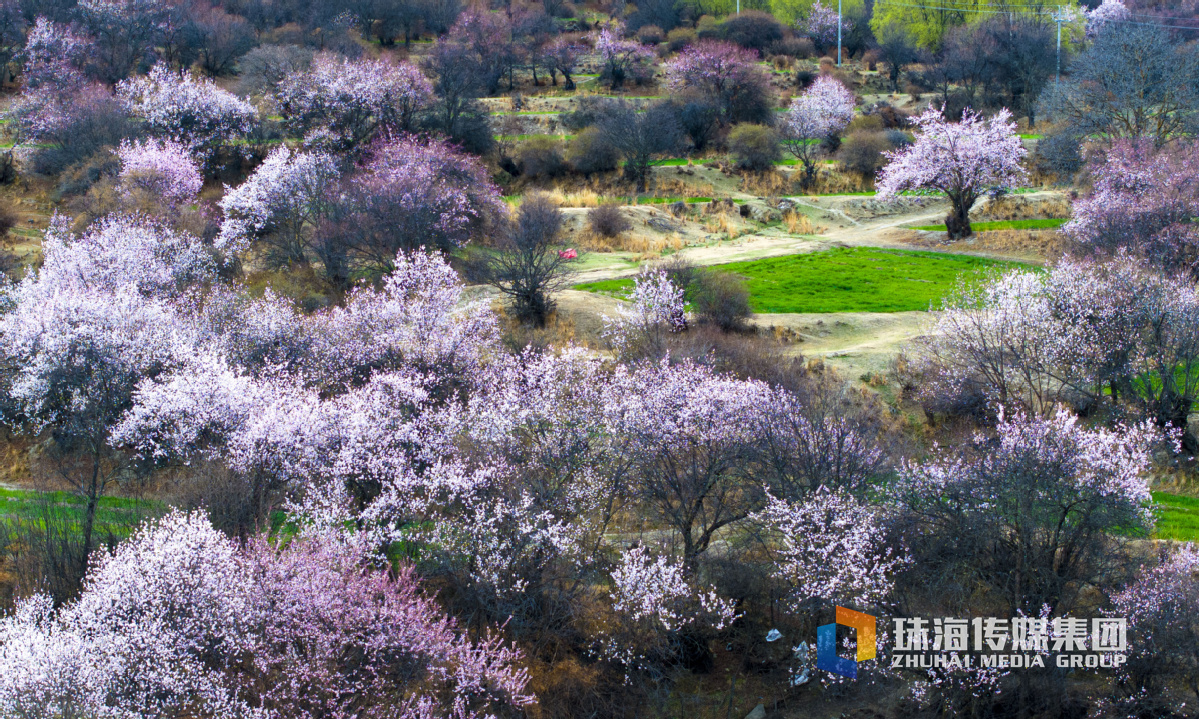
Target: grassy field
117	513
857	279
1003	225
1178	516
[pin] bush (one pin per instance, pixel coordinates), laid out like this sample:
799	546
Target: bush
590	152
754	147
753	29
8	219
865	123
591	110
898	139
608	221
1059	154
721	299
862	153
893	118
804	79
79	178
800	48
650	35
707	28
679	38
540	157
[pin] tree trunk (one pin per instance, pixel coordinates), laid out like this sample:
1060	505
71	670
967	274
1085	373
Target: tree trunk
89	518
957	222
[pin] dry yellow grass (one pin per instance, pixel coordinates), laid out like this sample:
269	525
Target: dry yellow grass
798	223
771	183
1015	207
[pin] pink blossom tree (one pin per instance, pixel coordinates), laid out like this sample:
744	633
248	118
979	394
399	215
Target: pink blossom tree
279	205
960	159
192	112
655	603
1163	644
725	75
163	168
411	193
622	59
1108	12
562	55
690	435
821	24
824	109
97	319
344	638
54	55
655	306
1031	513
156	631
831	549
1144	200
340	105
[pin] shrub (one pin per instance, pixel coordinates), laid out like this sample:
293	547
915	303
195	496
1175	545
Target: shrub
590	152
754	147
8	219
79	178
753	29
679	38
804	79
862	152
608	220
707	28
893	118
898	139
540	157
650	34
865	123
797	47
1059	153
591	109
721	299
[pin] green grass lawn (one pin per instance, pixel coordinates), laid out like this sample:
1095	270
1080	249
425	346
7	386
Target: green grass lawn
1178	516
856	279
1003	225
113	512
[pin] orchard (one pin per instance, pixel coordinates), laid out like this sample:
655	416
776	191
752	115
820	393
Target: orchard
417	359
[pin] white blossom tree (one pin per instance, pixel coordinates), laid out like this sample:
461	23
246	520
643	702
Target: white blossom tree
962	159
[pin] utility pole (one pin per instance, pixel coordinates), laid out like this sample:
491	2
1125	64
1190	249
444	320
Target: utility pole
1058	16
839	23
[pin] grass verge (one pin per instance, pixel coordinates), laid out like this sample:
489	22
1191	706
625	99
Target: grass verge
1041	224
1178	516
855	279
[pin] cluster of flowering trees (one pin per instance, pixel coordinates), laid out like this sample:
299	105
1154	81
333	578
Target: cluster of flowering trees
180	618
1145	200
193	112
409	193
339	105
1117	334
